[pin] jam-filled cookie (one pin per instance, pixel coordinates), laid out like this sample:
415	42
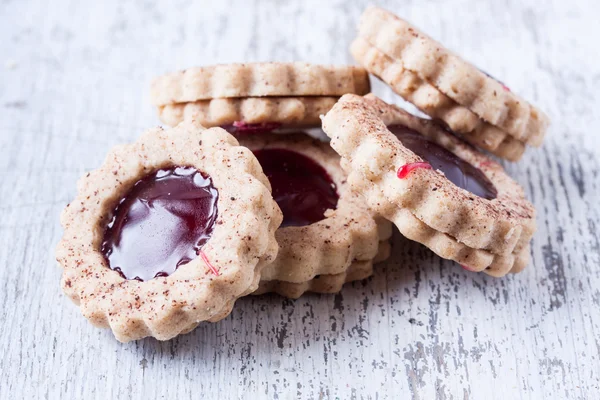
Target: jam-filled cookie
436	189
255	96
444	86
168	233
326	227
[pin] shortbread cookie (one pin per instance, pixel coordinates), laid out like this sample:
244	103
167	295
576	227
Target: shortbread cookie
436	104
258	80
281	111
358	270
435	188
464	83
325	225
168	233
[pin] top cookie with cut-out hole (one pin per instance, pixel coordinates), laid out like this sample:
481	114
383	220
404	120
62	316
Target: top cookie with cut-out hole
251	113
168	232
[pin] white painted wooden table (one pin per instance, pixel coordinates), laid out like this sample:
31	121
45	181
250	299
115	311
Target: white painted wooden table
74	81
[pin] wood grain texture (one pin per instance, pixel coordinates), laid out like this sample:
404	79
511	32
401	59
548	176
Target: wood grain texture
74	82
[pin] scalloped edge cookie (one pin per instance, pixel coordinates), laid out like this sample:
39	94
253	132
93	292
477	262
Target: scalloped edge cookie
456	78
296	111
327	247
357	270
358	130
440	243
242	243
258	80
434	103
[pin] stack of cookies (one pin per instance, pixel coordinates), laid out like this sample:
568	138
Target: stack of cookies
287	178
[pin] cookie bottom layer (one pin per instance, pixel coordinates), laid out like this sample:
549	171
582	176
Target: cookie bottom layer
440	243
325	247
333	283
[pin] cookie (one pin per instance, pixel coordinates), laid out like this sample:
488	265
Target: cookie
258	80
459	80
434	103
281	111
325	225
161	236
436	189
358	270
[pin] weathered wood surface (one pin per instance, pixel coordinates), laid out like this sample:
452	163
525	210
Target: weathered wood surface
74	82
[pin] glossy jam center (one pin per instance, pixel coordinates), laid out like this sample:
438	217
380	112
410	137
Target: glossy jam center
457	170
162	223
301	187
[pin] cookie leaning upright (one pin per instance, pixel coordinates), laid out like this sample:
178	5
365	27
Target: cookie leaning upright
161	237
255	93
436	189
444	86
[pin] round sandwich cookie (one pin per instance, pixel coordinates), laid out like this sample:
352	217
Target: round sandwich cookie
435	188
255	95
326	227
168	232
444	86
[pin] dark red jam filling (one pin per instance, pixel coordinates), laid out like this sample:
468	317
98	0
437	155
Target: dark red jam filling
161	224
457	170
301	187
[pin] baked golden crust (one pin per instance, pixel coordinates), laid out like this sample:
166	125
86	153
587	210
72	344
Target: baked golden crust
426	206
242	243
258	80
327	247
461	81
